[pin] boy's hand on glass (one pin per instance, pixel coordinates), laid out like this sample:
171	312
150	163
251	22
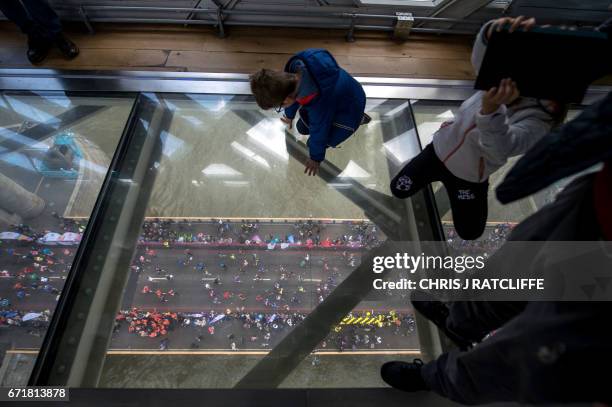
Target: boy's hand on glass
519	22
504	94
287	121
312	167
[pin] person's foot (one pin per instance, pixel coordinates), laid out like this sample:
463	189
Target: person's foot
37	50
365	119
405	376
437	312
68	48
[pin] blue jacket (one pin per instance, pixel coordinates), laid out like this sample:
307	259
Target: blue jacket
336	112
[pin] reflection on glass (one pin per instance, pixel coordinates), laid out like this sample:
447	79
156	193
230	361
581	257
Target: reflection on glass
54	153
239	246
402	148
270	135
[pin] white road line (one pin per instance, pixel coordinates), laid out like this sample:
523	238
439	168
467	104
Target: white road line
50	278
158	278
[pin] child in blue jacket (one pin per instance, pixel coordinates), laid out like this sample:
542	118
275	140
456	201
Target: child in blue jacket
330	101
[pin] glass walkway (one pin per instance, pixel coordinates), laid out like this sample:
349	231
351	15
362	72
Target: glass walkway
158	231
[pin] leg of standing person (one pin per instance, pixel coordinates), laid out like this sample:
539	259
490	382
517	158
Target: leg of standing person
42	25
465	322
473	320
490	372
482	375
423	169
469	206
468	322
44	16
14	11
40	39
551	352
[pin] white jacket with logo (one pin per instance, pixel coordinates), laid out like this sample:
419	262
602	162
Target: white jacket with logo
473	146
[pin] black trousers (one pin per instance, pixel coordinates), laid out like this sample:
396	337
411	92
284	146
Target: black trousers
35	18
473	320
468	200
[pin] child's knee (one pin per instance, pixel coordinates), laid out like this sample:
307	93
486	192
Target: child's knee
402	186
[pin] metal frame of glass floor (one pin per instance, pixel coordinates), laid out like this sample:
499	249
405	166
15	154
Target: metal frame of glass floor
156	128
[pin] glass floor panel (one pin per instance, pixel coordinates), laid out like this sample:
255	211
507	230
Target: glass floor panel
239	246
226	158
209	259
54	156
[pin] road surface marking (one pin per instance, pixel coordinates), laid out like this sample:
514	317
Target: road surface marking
160	278
212	352
240	220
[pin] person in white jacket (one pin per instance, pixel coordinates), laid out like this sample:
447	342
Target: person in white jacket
488	128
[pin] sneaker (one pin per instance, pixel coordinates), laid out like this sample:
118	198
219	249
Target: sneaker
66	47
365	119
437	312
404	376
37	50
